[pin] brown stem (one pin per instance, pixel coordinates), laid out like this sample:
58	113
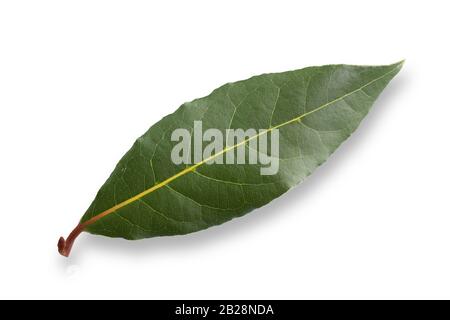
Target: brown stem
64	246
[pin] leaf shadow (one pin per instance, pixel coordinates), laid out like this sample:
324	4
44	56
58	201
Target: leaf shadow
258	219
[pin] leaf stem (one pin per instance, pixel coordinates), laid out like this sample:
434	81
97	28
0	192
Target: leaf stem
64	246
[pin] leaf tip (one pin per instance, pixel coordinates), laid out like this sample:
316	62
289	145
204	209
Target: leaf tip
399	64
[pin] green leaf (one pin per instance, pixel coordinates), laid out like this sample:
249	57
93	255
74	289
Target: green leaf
314	110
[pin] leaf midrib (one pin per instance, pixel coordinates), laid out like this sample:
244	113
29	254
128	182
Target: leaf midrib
225	150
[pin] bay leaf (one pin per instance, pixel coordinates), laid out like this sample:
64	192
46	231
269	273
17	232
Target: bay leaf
313	110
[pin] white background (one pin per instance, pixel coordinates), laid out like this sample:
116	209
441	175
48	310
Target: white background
81	80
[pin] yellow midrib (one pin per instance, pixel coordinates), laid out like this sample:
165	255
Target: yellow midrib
195	166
